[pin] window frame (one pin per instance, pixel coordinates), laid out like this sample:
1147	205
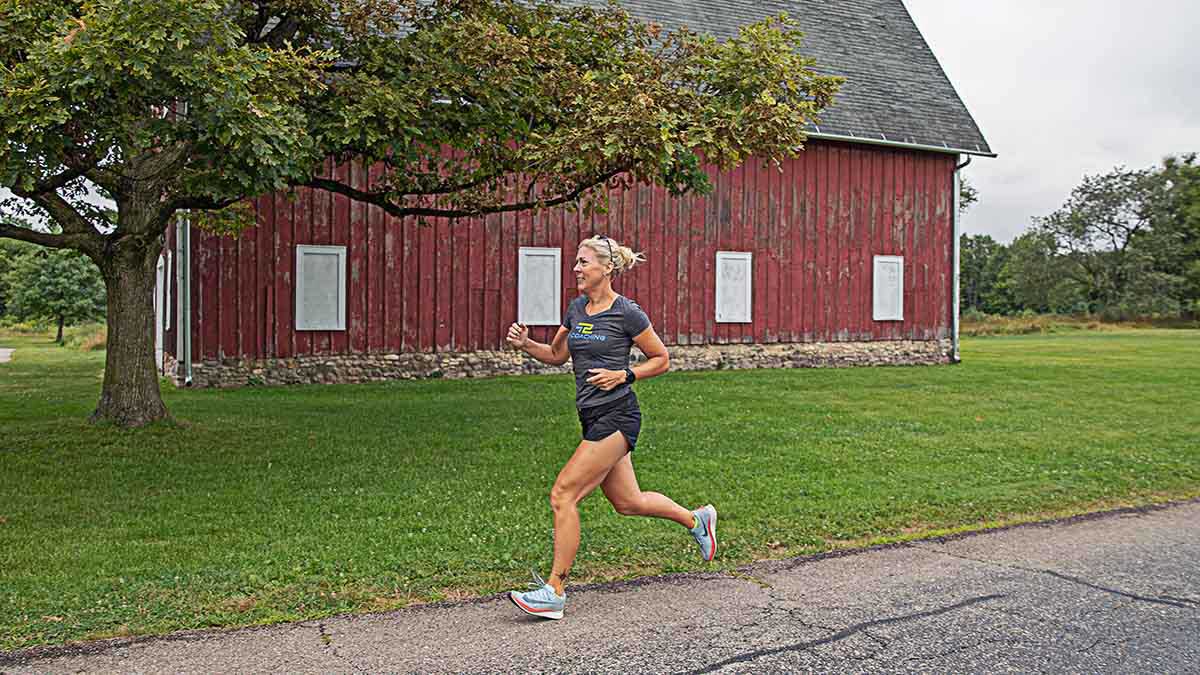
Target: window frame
876	290
304	322
523	254
722	312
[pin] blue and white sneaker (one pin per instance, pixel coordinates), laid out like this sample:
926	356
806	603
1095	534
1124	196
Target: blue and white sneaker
705	531
542	601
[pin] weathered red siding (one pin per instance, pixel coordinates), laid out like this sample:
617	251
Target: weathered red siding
813	228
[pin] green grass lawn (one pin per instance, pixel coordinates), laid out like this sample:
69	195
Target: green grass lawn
286	503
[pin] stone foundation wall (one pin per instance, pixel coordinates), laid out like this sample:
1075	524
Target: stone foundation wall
380	367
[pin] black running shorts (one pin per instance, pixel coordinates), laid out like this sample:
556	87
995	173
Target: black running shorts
623	415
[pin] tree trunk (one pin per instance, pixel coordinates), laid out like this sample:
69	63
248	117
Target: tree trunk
61	321
130	397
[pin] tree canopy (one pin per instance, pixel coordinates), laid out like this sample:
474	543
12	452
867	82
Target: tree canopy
470	107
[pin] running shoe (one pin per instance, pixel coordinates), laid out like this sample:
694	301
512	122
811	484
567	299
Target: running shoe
705	531
542	601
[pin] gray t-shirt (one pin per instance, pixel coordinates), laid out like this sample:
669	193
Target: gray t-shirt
601	340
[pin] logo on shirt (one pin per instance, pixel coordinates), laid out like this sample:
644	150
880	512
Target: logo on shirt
583	331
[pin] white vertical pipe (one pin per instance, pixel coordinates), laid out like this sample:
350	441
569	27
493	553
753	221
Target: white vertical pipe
955	357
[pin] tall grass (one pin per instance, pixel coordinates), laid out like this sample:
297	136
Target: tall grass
978	324
86	338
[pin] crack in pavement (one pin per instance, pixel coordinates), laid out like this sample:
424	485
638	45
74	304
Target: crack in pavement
327	642
1178	599
844	633
1065	577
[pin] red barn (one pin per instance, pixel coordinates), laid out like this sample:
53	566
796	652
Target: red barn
846	255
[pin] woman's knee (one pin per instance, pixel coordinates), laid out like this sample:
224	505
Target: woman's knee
562	496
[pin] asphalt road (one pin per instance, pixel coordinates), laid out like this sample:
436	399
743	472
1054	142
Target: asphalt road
1117	592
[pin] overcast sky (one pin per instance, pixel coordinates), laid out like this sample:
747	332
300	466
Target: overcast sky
1065	88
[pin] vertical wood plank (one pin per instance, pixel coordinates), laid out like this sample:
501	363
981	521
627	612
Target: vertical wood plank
698	282
854	243
791	242
393	272
775	327
226	310
356	284
825	216
321	235
302	234
374	254
895	225
716	218
247	290
263	286
879	206
679	299
459	282
476	275
844	236
760	247
572	222
444	284
808	243
427	311
491	332
508	262
666	242
284	277
787	235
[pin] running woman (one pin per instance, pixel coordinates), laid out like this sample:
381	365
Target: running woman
597	332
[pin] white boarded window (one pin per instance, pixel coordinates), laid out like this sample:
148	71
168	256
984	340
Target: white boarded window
320	287
733	286
539	271
888	288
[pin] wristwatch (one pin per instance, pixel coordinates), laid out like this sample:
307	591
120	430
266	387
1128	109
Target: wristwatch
630	376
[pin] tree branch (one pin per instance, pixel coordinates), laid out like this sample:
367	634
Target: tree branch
63	213
54	182
203	203
380	199
450	188
73	241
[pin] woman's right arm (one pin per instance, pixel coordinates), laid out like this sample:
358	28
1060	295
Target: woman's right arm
555	353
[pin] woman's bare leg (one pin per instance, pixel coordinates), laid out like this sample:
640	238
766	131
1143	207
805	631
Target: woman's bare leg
621	488
585	470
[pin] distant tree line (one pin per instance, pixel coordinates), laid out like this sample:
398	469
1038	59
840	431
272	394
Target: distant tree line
1125	244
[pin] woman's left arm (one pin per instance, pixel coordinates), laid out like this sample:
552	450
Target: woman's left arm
657	361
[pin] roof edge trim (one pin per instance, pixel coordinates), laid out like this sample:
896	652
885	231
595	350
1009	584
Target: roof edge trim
897	144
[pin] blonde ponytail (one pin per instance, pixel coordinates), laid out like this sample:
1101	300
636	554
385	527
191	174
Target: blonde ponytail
622	258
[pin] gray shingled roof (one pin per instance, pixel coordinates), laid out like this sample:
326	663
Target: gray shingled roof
895	91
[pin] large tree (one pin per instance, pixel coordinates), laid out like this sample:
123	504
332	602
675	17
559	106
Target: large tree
472	106
1173	242
1094	231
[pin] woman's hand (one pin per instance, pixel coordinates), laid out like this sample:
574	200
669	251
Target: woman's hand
606	379
518	336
